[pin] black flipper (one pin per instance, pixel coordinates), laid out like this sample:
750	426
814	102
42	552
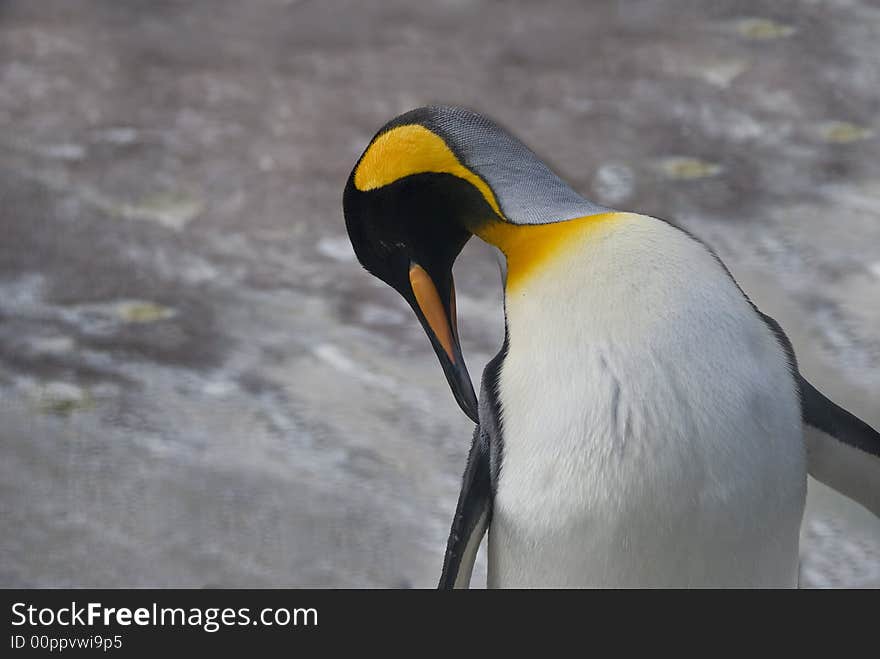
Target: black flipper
471	517
842	450
823	414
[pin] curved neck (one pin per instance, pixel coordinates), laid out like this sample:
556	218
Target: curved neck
528	247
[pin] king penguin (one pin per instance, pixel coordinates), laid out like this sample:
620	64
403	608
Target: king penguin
644	424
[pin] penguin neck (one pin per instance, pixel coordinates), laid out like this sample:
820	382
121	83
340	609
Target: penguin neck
528	248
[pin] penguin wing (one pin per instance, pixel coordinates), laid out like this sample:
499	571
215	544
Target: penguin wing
471	517
842	450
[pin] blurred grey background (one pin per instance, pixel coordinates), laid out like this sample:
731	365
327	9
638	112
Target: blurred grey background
199	386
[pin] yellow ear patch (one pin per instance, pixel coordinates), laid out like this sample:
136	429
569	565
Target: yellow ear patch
413	149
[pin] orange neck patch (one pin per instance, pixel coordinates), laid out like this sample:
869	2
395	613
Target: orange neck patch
530	246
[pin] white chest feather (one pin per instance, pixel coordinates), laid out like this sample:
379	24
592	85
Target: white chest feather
652	433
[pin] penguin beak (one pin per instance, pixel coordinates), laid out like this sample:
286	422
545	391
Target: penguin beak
439	322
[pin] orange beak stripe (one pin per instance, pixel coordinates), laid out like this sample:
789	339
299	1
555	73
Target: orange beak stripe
429	302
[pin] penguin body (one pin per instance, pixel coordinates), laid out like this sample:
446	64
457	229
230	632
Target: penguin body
651	430
643	424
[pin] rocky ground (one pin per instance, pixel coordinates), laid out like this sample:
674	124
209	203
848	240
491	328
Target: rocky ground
200	386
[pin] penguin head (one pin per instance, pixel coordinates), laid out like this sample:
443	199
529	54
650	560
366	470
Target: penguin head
410	206
427	181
